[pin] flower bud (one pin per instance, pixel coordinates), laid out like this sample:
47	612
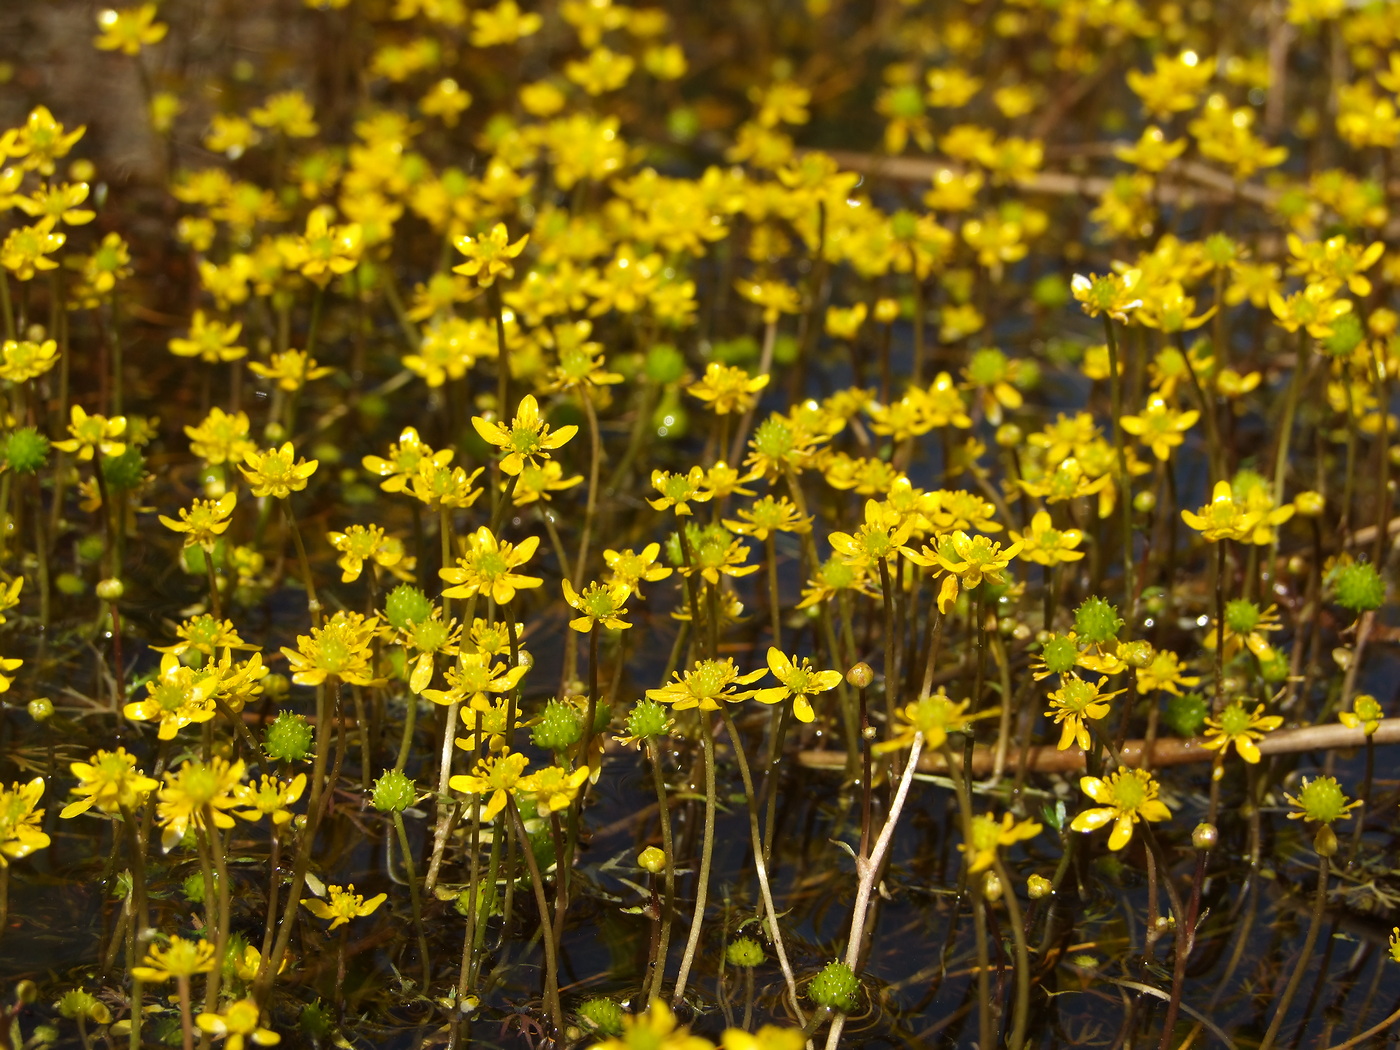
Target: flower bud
1205	836
992	888
1009	435
41	709
1309	504
652	859
1325	841
860	675
110	589
1144	502
1038	886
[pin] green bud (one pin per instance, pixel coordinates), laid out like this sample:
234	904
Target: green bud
665	364
1358	586
40	709
648	720
110	589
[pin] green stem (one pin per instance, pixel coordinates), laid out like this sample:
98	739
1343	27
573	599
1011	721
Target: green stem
413	897
551	964
707	848
658	963
1304	957
1125	492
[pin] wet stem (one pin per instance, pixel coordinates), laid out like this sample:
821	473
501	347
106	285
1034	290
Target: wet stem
658	962
707	848
413	897
1304	957
551	964
1125	491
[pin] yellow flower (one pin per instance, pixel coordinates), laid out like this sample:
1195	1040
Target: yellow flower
276	472
601	605
19	821
1164	673
210	341
59	203
655	1029
111	782
705	685
270	798
932	717
487	568
291	369
1124	798
878	539
221	438
475	675
967	560
288	112
1159	427
237	1025
1235	725
324	251
775	297
42	141
194	790
22	360
1153	151
339	648
176	697
629	567
503	24
601	71
988	833
497	777
800	682
1314	309
553	788
679	490
180	959
404	459
204	522
1074	704
1113	294
1222	518
489	257
130	30
726	389
1046	545
93	433
360	543
528	439
342	905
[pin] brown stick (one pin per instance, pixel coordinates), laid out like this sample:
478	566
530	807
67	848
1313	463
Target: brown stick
1166	752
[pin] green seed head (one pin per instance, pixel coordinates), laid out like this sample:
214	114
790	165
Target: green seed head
1358	587
559	728
746	952
24	450
1346	336
288	738
1097	621
1242	616
1060	653
393	792
406	604
648	720
835	987
665	364
1321	800
601	1017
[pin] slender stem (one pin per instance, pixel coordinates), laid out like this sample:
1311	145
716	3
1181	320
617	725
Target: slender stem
413	896
707	848
595	459
186	1020
1020	1011
1125	491
868	871
658	961
445	804
760	865
313	604
551	963
1304	957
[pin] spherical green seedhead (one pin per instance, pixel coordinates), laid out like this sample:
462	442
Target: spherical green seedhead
1325	841
1346	336
1038	886
835	987
193	888
559	728
78	1003
1273	665
1097	621
1321	800
1186	714
648	720
24	450
904	225
745	952
665	364
601	1017
69	584
288	738
123	473
860	675
1358	587
111	589
393	792
1059	652
40	709
315	1021
276	686
406	604
1242	616
1051	292
652	859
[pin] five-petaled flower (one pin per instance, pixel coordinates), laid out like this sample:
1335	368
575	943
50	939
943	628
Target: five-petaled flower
527	440
1123	798
800	681
342	904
